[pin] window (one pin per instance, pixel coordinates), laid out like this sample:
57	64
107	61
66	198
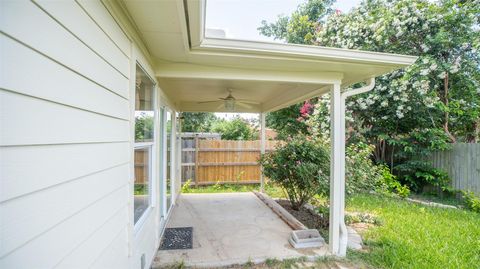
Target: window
144	141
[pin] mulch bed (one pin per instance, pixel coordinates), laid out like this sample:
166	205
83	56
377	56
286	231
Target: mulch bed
305	216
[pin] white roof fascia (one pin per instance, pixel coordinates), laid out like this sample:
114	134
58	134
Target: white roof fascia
195	12
304	51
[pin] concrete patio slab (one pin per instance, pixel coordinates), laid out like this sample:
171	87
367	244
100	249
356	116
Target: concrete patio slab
230	228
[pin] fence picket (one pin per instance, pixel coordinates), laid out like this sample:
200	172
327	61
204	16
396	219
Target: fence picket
462	163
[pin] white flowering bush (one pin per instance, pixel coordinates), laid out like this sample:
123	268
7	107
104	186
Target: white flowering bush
442	87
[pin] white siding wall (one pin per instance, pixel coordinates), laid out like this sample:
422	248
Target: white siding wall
64	136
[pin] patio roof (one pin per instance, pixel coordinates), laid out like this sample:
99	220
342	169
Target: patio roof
191	68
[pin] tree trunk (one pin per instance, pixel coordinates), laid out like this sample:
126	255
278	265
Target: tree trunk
474	136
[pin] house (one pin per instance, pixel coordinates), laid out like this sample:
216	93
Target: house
84	184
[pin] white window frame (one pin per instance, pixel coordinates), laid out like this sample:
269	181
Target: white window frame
168	209
152	155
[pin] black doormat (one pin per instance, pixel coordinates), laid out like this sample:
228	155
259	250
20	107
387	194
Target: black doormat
177	238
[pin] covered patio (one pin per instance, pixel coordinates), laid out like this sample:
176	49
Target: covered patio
230	228
195	70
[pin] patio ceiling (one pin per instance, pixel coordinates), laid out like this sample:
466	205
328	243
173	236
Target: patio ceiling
191	68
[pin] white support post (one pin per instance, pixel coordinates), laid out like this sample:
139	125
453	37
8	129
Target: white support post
338	229
262	148
337	171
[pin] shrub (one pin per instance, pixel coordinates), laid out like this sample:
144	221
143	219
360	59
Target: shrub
362	175
471	201
301	167
186	186
390	184
418	174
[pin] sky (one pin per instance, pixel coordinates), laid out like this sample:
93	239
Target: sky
241	18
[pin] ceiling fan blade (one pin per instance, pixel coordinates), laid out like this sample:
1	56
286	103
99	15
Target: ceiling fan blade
248	101
242	104
208	102
220	106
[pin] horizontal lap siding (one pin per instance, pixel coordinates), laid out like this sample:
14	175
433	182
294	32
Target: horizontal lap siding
53	246
65	163
64	136
50	38
30	73
31	121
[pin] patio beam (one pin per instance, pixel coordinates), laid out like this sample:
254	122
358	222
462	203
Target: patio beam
195	71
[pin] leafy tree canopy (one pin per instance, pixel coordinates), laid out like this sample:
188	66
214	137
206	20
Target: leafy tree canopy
198	121
235	129
300	27
287	121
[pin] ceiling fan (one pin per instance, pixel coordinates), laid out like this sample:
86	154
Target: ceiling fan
230	102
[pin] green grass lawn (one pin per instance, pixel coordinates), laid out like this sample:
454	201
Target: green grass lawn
416	236
271	190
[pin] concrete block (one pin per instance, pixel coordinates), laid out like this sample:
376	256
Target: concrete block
354	239
306	239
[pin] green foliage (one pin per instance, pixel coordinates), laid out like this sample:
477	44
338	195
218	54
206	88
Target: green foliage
271	189
390	184
362	217
416	236
471	201
287	122
140	189
198	121
235	129
301	167
186	186
418	174
362	175
144	127
300	27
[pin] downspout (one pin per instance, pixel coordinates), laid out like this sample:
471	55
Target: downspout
342	251
368	87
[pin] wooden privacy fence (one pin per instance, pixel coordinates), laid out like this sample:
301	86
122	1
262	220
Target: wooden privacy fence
223	161
462	163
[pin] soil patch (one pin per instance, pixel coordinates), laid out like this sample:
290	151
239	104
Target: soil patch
305	216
